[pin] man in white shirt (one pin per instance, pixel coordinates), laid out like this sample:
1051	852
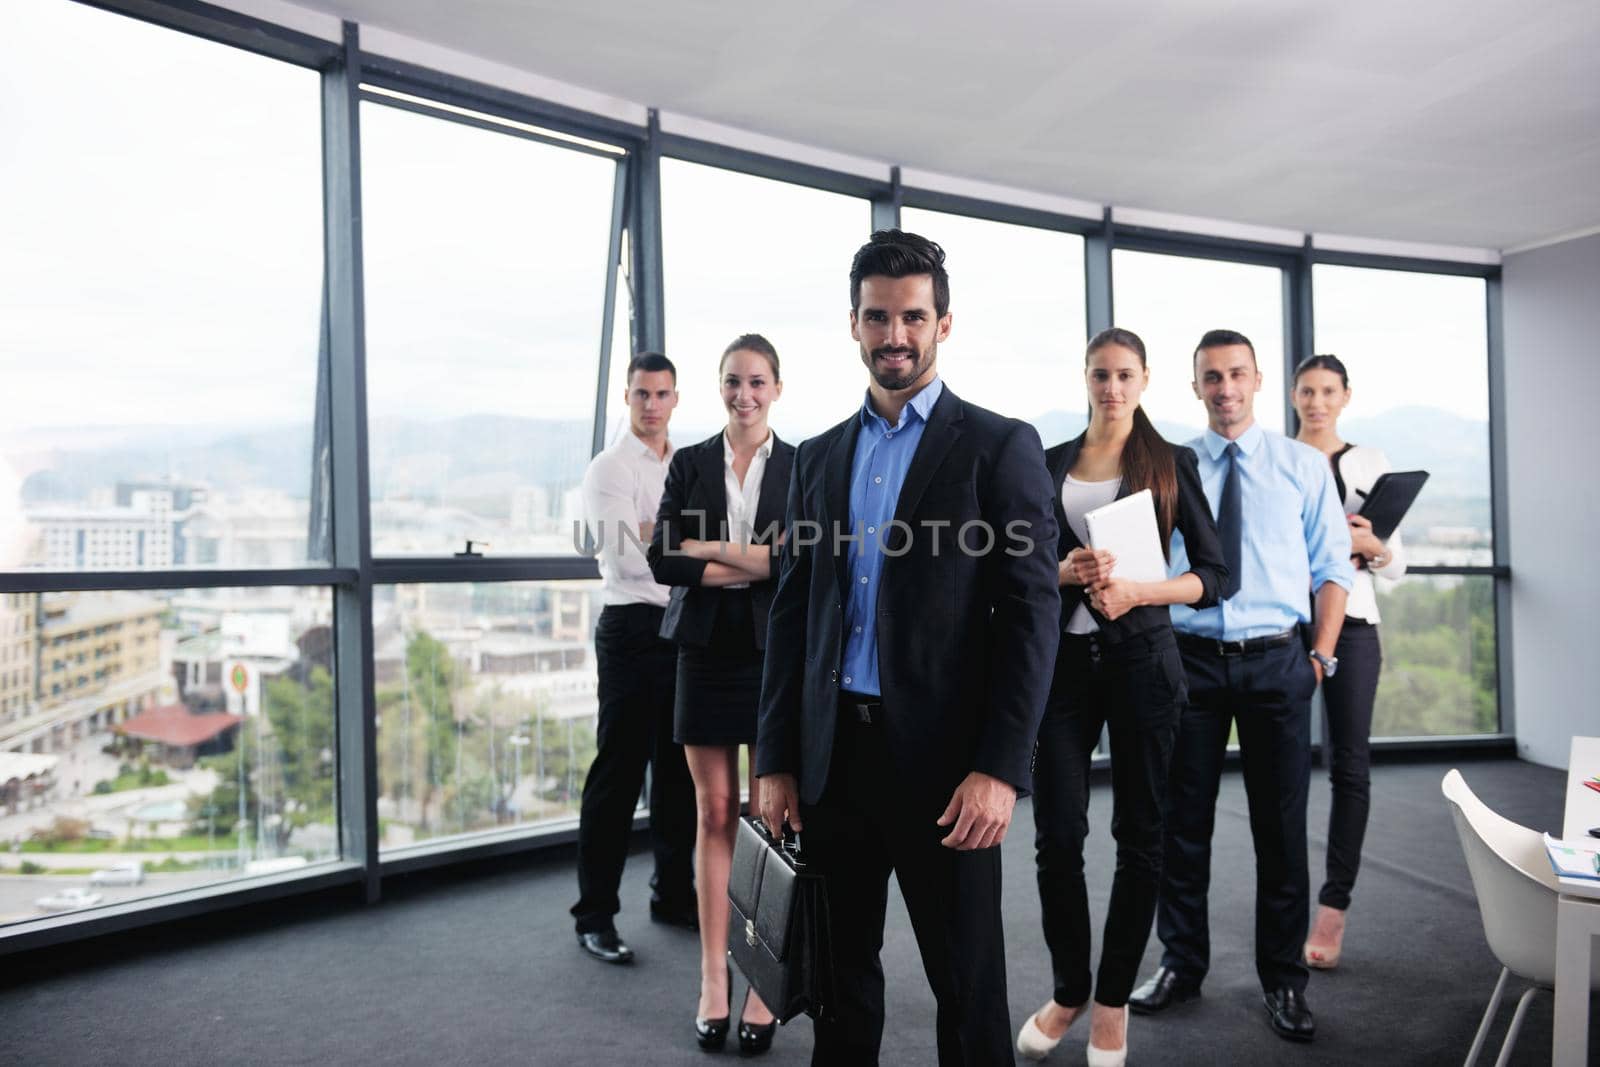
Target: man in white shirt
621	491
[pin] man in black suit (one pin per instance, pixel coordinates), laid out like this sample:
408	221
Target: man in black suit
909	653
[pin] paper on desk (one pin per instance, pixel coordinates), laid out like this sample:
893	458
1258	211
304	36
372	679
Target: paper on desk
1127	529
1573	859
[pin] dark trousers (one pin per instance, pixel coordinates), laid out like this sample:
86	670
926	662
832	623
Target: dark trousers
1135	689
637	669
1347	699
1268	695
866	824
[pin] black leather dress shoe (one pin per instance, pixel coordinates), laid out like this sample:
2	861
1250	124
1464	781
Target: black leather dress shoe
755	1038
1164	989
605	946
1289	1015
688	918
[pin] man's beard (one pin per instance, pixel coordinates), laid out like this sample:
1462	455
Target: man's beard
896	380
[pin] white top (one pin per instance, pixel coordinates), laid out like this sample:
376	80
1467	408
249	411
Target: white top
1078	499
1359	468
621	490
743	500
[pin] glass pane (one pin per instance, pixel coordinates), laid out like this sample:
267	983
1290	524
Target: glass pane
162	741
1017	336
746	255
1417	348
160	297
486	705
1170	301
1439	661
485	288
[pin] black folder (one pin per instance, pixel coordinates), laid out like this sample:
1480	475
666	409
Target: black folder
1390	497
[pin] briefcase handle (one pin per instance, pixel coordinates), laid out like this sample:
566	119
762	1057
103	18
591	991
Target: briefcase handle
789	842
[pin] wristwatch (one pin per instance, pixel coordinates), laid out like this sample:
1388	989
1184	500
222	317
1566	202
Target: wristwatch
1330	664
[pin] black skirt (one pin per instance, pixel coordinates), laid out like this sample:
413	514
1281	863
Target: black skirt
719	685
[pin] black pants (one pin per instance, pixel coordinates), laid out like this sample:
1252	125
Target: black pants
1347	699
1135	689
866	824
637	669
1268	695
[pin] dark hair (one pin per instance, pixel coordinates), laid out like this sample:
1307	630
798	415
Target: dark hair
752	342
1333	363
1220	338
651	362
897	254
1146	457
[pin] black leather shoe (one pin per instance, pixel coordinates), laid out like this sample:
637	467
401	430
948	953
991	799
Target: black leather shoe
755	1038
1164	989
605	946
1289	1015
687	918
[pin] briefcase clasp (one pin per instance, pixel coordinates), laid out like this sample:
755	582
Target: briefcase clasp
750	933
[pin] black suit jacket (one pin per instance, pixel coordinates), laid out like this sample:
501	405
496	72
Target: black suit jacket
694	505
1193	520
966	644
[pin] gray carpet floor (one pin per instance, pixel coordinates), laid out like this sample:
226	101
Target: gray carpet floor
478	965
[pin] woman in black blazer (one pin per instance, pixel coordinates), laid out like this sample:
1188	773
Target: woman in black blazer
1117	667
716	534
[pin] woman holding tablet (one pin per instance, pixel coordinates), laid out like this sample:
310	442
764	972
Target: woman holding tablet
1117	667
1321	391
715	538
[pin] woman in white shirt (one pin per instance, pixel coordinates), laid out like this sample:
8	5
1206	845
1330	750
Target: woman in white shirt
716	533
1321	391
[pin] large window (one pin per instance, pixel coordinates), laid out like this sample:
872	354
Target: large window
743	255
153	742
485	259
1017	335
486	705
1416	346
160	288
1170	301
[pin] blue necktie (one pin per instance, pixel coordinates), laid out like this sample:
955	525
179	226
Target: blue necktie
1230	523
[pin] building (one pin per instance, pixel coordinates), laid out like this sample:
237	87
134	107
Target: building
19	629
103	539
176	736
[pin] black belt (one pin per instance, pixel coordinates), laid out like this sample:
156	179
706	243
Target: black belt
1195	643
860	708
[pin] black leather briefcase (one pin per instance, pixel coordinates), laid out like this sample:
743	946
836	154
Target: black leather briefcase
778	924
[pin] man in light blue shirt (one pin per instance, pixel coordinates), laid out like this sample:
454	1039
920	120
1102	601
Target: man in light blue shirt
1285	540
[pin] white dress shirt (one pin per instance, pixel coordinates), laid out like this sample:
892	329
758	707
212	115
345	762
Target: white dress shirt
622	489
1359	468
743	500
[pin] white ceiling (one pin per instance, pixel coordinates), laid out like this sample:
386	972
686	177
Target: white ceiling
1469	123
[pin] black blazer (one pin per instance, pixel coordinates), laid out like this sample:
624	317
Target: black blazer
966	644
694	505
1193	520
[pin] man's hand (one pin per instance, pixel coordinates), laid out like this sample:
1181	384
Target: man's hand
780	801
981	811
1116	597
1086	566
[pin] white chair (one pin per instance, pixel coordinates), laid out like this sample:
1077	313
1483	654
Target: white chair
1517	892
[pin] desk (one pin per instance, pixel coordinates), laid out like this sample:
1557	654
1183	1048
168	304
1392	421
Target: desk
1577	913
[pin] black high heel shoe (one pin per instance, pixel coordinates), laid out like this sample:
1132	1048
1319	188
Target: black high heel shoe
713	1033
755	1038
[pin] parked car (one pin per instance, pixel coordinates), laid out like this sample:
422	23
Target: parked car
70	899
119	874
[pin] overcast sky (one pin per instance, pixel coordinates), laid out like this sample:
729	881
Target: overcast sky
166	269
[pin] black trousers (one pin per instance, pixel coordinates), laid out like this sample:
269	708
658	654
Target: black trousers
1268	695
637	669
1135	689
1347	700
866	824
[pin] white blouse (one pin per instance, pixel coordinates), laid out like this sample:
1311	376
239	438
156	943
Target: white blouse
1359	468
743	500
1077	500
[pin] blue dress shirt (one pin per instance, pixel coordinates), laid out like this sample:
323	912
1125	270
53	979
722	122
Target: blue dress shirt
883	456
1295	535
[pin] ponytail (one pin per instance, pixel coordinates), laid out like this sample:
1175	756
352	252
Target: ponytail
1147	464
